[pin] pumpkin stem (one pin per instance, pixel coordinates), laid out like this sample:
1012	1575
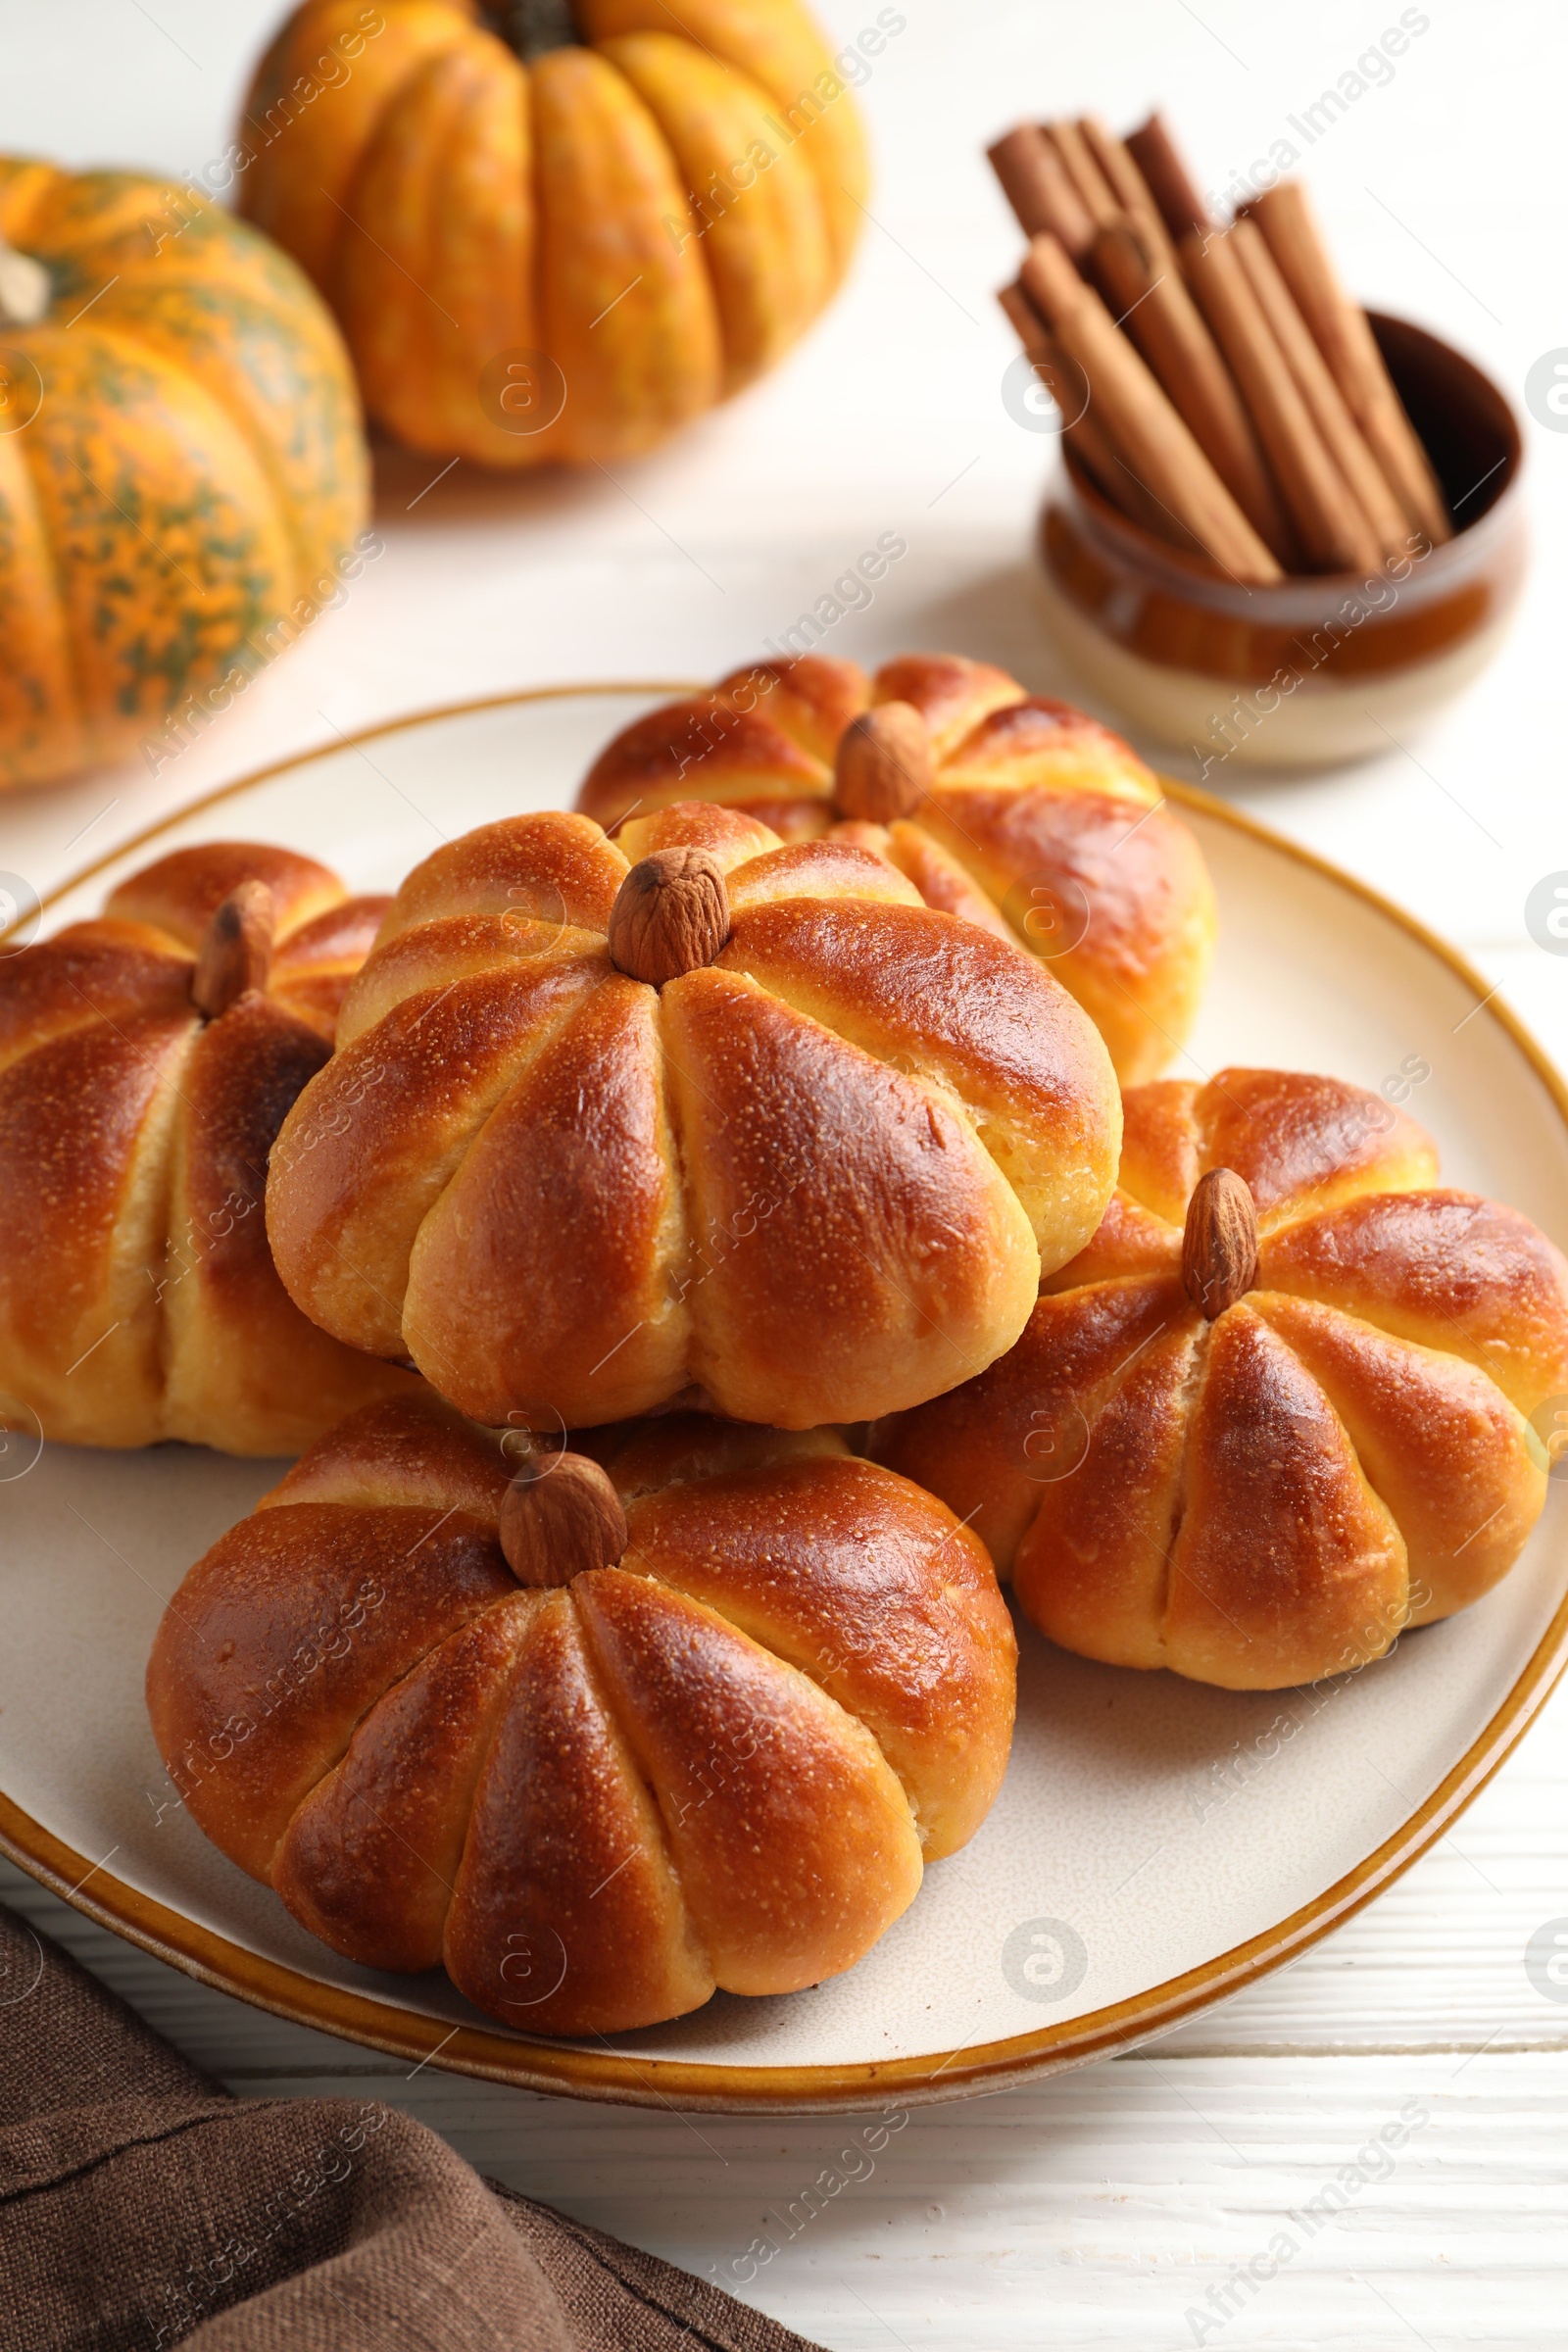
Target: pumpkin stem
236	951
671	915
26	288
560	1518
882	770
1219	1243
530	27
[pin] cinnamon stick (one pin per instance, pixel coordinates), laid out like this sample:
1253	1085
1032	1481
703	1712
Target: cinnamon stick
1155	152
1035	182
1145	427
1065	385
1131	188
1154	306
1081	427
1341	331
1341	434
1335	534
1099	197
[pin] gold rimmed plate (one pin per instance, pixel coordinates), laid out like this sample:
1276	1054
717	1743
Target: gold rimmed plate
1157	1846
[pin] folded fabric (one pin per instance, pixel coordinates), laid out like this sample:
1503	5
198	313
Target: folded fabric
141	2206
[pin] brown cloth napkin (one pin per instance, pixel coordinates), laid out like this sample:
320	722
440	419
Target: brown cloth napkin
142	2206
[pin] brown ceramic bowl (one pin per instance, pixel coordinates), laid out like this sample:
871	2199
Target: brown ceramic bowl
1320	667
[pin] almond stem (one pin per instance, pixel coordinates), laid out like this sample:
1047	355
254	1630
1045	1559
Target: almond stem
883	767
1219	1244
236	953
561	1516
671	914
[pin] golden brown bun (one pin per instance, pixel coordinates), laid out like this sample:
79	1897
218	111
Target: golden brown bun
1266	1498
1039	823
819	1177
137	1296
722	1760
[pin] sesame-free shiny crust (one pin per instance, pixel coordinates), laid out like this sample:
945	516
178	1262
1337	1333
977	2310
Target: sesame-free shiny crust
138	1300
820	1177
723	1760
1344	1450
1038	822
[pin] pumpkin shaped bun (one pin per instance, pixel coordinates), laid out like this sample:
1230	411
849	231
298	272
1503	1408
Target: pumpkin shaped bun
600	1739
1281	1406
183	470
146	1059
555	229
609	1120
1020	814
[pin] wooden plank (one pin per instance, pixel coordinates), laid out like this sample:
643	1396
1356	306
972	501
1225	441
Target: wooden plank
1103	2209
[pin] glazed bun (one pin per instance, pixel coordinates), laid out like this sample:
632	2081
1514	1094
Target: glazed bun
611	1120
599	1738
1018	812
146	1061
1281	1406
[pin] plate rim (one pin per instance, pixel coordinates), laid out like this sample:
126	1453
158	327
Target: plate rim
608	2074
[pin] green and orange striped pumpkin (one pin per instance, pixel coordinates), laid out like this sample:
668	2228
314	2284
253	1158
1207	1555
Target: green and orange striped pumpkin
183	470
649	202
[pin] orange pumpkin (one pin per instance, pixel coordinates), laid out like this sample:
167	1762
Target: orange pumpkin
556	231
182	472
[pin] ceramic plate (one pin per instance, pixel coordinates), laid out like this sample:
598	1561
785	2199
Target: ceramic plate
1156	1844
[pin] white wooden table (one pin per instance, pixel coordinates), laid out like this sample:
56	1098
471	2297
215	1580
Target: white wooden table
1106	2207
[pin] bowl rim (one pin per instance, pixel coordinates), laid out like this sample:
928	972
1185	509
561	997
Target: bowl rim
1299	596
606	2073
